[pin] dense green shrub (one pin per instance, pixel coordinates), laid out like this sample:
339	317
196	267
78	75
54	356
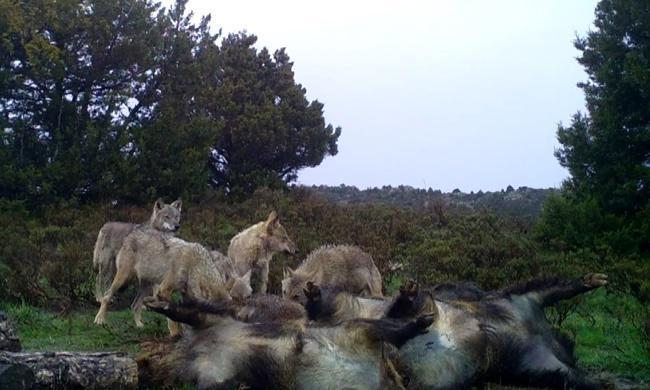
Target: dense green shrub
46	258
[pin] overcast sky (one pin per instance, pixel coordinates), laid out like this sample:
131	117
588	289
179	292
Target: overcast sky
444	94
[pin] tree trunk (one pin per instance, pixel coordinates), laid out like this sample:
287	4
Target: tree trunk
8	338
75	369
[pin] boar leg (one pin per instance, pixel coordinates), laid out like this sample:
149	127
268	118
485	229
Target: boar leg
538	366
392	331
566	289
175	312
192	312
403	305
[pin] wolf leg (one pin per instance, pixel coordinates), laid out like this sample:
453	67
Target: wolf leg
120	279
174	328
264	276
144	290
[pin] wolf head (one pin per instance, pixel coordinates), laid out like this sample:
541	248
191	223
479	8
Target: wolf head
292	283
276	238
241	287
166	217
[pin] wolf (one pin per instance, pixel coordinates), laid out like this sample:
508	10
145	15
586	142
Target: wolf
345	267
220	351
500	337
148	255
254	248
196	276
270	308
164	218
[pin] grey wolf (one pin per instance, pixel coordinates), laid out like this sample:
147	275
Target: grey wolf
343	267
164	218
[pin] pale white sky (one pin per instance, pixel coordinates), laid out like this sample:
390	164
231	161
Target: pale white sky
444	94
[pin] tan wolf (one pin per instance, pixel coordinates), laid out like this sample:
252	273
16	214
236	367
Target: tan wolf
199	277
147	255
254	247
345	267
164	217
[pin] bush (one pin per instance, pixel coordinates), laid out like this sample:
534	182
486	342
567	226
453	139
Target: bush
46	257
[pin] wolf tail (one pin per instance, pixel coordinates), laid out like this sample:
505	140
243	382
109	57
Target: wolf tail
375	283
103	265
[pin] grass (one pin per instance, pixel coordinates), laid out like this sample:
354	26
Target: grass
40	330
607	327
609	335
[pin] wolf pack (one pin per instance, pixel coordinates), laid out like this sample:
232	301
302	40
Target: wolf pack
332	327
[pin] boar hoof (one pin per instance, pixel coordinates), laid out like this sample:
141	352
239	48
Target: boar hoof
154	304
595	280
312	291
423	322
409	289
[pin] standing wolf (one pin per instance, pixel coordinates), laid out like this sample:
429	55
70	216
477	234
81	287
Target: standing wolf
164	218
148	255
254	248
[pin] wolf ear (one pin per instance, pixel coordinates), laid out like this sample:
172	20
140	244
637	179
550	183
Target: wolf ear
158	205
247	277
177	204
288	272
272	220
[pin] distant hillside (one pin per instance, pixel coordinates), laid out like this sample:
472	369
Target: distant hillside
523	202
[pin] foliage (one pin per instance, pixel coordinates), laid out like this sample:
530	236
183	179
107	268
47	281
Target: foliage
604	207
523	203
434	244
127	100
607	152
270	129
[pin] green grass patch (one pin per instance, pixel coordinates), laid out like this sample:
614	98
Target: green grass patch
609	334
42	331
607	327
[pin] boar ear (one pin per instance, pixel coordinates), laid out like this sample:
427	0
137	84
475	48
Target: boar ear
177	204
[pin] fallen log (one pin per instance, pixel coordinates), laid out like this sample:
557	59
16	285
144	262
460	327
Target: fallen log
16	377
76	369
8	337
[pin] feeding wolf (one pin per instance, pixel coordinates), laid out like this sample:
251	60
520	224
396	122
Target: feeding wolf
342	267
164	218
